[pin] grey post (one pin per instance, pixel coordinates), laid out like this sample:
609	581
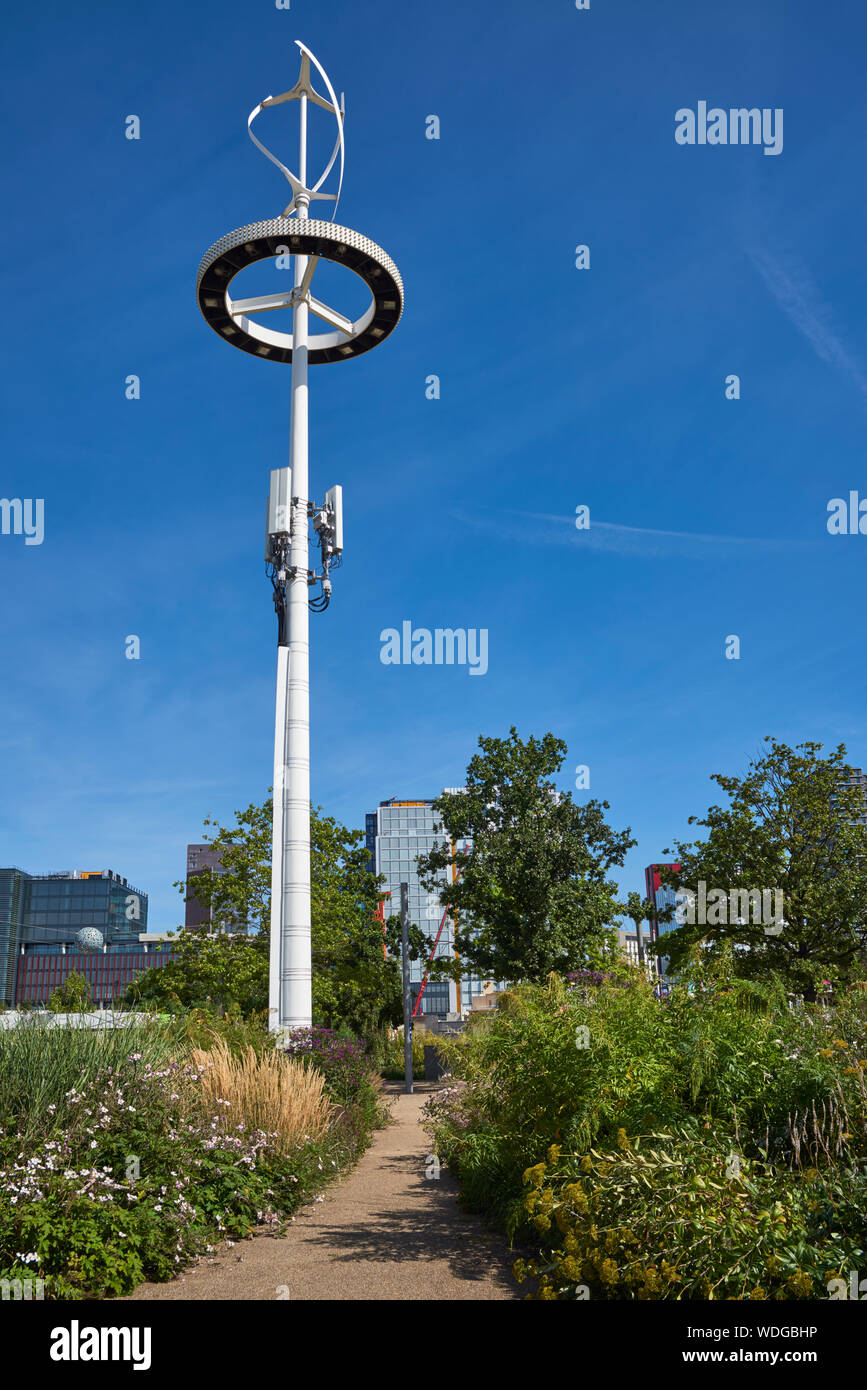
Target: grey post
407	997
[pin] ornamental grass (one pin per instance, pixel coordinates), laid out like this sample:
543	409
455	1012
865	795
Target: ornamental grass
270	1092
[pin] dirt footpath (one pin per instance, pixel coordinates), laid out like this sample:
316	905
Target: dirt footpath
385	1231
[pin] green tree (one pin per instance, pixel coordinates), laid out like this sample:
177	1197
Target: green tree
639	910
791	826
354	984
71	997
222	971
533	894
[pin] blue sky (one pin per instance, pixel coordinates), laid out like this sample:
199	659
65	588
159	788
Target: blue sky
559	387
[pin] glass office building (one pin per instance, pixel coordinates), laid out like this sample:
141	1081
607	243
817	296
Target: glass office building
397	833
42	915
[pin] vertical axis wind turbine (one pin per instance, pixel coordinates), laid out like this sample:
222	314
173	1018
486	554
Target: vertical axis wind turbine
294	234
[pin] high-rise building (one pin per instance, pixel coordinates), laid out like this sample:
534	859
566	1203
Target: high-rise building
200	858
665	897
91	921
397	832
662	894
857	779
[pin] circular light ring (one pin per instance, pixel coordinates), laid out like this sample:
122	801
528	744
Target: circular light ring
265	240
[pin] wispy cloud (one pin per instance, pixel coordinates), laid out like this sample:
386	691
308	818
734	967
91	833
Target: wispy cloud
545	528
799	297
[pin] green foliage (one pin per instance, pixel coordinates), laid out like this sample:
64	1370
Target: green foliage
203	1028
389	1053
677	1215
640	910
115	1167
354	985
533	893
722	1070
790	825
351	1080
73	996
40	1065
229	972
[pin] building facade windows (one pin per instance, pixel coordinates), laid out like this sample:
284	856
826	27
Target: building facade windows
396	834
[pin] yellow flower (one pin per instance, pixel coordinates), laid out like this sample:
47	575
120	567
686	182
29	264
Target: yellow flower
570	1269
542	1223
546	1294
572	1243
546	1200
585	1165
800	1283
554	1154
530	1202
825	1052
608	1272
757	1293
851	1071
622	1140
838	1042
536	1175
519	1270
573	1195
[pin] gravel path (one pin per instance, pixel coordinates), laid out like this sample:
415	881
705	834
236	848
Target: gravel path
385	1231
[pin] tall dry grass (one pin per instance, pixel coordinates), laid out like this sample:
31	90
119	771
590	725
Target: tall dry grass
269	1092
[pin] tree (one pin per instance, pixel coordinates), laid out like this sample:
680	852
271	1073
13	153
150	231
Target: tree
72	996
638	910
791	832
533	894
353	983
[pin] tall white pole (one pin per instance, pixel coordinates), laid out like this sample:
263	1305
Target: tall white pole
291	977
296	973
277	838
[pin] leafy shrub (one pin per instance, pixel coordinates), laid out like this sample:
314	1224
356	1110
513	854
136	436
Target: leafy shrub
721	1067
118	1166
142	1171
676	1216
351	1080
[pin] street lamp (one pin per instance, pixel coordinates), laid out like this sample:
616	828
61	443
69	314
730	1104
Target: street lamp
290	510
